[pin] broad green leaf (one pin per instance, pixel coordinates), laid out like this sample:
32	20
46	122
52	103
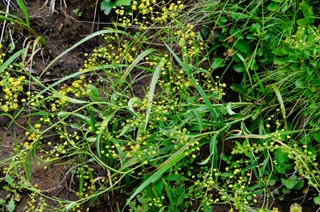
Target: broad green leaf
223	19
239	67
2	201
273	7
11	205
7	188
217	63
303	22
173	177
290	183
272	182
253	65
282	161
255	27
299	83
242	46
237	16
106	7
238	88
316	137
281	157
223	157
280	61
225	175
316	200
311	123
284	51
307	11
94	94
158	188
123	2
299	185
10	181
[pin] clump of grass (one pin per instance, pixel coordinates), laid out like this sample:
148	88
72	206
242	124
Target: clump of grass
164	146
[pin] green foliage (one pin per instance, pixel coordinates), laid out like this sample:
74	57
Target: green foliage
148	116
107	5
13	189
77	12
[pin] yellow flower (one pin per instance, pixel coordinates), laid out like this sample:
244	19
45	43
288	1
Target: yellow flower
5	108
26	144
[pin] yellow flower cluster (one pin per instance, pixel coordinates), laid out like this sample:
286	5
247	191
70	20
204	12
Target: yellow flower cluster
78	89
169	12
304	38
88	186
140	148
12	87
158	12
110	54
32	135
189	41
36	203
144	6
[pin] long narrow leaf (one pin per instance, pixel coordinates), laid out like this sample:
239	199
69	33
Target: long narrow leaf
152	89
136	61
282	107
24	11
11	59
173	159
106	31
47	88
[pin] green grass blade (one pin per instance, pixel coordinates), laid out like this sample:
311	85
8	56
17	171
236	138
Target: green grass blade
47	88
14	19
11	59
102	130
106	31
188	71
173	159
136	61
24	11
184	66
152	88
205	98
214	151
282	107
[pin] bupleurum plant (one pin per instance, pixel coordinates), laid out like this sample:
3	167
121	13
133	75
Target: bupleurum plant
12	84
145	116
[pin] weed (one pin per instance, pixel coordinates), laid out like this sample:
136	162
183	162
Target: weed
77	12
146	115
